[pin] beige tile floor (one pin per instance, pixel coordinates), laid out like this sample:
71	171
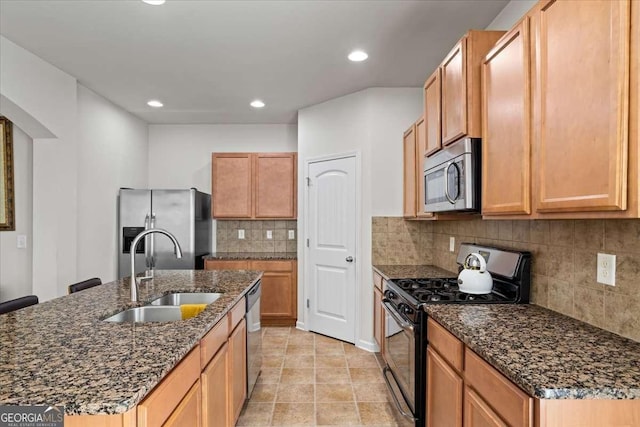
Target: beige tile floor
312	380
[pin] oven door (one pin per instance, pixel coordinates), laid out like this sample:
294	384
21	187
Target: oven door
399	351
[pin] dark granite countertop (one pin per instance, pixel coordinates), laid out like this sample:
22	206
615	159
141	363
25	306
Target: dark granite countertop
60	352
412	271
547	354
253	255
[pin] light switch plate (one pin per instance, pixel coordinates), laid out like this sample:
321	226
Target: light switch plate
240	234
452	244
22	241
269	234
292	234
606	270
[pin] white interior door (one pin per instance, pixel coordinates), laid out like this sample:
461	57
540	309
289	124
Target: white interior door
331	263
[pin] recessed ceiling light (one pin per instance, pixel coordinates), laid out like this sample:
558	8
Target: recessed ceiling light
155	103
257	104
358	56
154	2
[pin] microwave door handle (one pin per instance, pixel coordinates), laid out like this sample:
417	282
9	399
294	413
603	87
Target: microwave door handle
446	183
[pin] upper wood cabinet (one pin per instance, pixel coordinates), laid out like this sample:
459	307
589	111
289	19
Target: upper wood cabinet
409	172
581	98
254	185
506	125
432	116
459	74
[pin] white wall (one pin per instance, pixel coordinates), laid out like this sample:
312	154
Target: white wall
180	155
510	14
16	264
112	153
83	149
370	122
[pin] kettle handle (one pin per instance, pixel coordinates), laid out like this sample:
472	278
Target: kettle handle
483	263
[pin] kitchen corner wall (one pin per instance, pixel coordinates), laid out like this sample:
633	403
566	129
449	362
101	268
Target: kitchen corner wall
395	241
564	261
255	236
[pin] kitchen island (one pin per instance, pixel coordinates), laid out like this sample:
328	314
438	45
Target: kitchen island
61	352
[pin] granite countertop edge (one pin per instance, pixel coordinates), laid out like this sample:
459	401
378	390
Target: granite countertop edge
545	353
128	360
252	256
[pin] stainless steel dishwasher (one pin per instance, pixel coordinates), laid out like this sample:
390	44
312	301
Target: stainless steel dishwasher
254	337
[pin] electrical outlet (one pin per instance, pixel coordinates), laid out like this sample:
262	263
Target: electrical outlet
240	234
452	244
269	234
292	234
606	271
22	241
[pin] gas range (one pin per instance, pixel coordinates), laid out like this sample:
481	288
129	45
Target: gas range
405	299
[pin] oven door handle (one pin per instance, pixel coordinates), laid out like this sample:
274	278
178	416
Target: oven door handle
386	370
396	316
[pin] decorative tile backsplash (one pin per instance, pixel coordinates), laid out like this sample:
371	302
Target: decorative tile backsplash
255	236
564	260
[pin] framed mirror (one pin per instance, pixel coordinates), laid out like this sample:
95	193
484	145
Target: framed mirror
6	176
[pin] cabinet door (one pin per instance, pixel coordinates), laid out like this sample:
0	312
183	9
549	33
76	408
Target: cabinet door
377	317
277	302
477	413
215	400
506	130
444	393
231	185
188	411
432	114
275	185
410	170
454	93
237	370
420	144
581	97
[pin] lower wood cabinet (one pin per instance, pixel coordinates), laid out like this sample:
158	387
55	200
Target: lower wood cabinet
188	412
278	303
237	369
477	413
444	393
378	315
215	386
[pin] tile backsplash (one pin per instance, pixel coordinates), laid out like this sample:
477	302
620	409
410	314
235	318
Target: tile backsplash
255	236
564	260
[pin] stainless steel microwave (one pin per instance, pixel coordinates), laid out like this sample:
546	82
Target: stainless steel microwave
452	178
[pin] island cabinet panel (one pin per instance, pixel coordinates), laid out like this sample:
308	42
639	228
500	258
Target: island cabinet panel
213	341
237	370
275	185
506	130
444	393
513	405
231	176
587	413
477	413
409	172
581	104
254	185
159	405
128	419
215	385
188	412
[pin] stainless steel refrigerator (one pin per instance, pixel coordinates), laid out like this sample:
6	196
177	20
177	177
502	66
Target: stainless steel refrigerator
184	213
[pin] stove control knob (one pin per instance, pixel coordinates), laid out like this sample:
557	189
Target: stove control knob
391	295
406	309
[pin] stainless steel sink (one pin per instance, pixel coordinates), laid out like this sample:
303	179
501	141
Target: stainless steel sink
177	299
147	314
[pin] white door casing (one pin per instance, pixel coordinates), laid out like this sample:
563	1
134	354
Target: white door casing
331	253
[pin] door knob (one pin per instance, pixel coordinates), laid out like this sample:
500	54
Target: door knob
349	259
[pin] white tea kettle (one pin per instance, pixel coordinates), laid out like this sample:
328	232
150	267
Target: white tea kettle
474	278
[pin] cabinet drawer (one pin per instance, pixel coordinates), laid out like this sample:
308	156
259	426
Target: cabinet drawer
509	402
165	398
211	343
236	314
188	411
377	280
214	264
446	344
271	265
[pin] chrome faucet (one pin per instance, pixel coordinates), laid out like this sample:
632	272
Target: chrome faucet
134	245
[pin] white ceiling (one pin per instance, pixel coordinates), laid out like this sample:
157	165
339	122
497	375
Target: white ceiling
206	60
